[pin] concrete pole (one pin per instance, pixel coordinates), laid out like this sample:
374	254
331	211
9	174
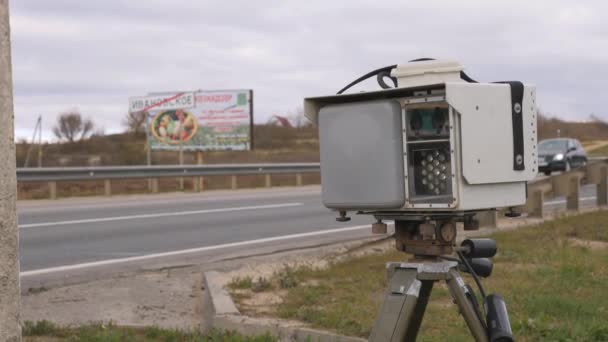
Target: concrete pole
10	329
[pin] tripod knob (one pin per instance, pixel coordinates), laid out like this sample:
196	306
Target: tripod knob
479	248
481	266
342	217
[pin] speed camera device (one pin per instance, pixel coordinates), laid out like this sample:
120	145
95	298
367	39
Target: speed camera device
429	152
436	142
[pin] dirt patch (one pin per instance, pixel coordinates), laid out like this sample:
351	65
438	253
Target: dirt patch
262	303
593	245
168	298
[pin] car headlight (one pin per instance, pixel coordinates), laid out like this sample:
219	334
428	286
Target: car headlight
558	156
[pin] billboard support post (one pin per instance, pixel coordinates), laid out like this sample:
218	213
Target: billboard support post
181	157
181	162
251	126
148	152
199	183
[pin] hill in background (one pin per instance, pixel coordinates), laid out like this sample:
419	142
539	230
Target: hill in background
271	144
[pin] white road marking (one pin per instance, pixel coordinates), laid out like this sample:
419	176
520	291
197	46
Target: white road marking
187	251
145	216
564	201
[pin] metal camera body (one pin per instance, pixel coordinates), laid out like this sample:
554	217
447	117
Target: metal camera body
436	144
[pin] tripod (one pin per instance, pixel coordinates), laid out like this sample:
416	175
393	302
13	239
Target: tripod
410	284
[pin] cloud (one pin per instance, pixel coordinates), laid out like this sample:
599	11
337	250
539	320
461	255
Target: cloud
95	55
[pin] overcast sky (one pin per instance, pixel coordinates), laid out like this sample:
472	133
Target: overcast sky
94	55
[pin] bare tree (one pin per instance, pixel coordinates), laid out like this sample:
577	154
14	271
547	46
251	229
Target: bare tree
71	126
298	118
135	122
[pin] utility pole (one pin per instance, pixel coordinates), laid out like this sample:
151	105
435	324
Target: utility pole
10	293
35	136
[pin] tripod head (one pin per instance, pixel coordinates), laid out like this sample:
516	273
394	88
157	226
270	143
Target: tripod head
427	233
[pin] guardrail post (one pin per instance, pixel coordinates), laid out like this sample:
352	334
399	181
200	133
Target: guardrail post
107	187
298	179
602	187
233	182
198	184
535	202
155	185
53	190
572	199
267	180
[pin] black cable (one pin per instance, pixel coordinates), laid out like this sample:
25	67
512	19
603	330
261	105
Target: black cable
366	76
385	72
472	272
380	79
466	77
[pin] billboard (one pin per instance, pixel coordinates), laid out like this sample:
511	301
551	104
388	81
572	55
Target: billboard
218	120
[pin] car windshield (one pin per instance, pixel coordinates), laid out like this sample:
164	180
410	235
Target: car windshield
552	145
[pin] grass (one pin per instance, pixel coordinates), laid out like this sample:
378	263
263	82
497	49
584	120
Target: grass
555	291
240	283
47	331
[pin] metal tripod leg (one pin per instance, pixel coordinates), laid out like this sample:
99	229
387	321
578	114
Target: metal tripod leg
458	291
399	307
423	298
406	299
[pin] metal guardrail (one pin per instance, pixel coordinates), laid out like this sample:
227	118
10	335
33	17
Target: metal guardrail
50	174
568	184
565	184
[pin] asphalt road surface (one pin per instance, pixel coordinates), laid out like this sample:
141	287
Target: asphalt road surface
76	231
79	234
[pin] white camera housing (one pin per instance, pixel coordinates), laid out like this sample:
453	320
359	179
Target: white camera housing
434	143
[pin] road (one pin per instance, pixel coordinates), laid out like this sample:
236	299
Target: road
56	234
86	235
